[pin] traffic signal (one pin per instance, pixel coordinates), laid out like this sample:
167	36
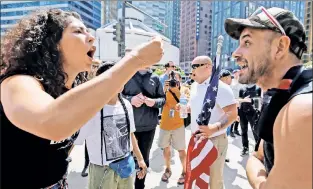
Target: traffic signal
117	32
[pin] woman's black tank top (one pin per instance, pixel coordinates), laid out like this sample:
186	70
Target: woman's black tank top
28	161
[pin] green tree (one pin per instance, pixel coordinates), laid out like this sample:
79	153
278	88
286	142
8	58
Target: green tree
308	64
182	73
159	71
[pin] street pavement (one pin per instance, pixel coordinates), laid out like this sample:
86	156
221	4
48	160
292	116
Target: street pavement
234	171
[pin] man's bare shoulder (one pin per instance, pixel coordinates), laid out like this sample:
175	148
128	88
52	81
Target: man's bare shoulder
297	110
295	117
293	144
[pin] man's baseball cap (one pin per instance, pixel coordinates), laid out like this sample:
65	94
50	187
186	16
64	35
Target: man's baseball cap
293	28
225	73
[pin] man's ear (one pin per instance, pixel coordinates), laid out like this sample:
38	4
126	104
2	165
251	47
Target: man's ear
283	45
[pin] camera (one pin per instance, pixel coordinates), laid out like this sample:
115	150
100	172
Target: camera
173	82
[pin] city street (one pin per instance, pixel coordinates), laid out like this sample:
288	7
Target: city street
234	172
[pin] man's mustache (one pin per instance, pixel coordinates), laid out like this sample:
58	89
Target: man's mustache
239	59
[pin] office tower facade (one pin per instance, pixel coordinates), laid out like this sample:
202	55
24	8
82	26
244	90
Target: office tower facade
195	31
172	20
12	11
156	9
109	11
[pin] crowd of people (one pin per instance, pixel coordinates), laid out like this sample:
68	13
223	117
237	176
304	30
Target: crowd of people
54	95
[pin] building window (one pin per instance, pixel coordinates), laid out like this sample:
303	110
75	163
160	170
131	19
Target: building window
201	8
18	5
205	26
8	21
206	15
205	32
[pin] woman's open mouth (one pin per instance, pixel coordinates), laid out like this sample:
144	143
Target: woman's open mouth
91	52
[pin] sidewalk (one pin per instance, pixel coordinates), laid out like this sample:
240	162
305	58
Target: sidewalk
234	172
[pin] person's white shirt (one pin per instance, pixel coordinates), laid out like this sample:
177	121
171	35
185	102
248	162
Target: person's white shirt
115	142
225	97
236	86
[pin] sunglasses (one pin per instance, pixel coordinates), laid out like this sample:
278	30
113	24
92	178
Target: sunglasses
271	18
195	66
170	66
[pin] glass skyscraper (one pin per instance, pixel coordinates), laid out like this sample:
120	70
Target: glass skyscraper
156	9
12	11
168	12
172	20
109	11
241	9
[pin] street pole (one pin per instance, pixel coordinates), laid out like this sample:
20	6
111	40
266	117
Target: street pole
123	31
122	42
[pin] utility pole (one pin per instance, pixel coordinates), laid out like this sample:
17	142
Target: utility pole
120	27
119	33
122	45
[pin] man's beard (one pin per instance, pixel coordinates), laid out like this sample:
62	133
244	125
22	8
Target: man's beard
263	68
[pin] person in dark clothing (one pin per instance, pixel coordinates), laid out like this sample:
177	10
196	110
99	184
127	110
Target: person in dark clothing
46	54
271	44
234	128
247	113
145	92
84	173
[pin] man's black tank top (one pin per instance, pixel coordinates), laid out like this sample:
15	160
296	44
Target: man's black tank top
273	102
28	161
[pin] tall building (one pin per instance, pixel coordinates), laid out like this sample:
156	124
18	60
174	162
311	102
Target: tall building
156	9
308	30
12	11
242	9
172	20
109	11
195	31
169	19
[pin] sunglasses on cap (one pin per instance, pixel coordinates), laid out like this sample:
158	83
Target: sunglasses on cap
195	66
271	18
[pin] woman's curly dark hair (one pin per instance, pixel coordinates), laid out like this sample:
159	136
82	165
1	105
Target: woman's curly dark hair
31	48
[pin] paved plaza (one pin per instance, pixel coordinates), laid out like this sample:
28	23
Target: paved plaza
234	172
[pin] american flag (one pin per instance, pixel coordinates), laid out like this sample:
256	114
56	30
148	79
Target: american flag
202	154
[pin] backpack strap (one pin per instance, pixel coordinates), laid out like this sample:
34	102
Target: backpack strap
305	80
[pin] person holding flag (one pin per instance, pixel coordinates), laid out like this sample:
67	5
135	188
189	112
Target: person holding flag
213	109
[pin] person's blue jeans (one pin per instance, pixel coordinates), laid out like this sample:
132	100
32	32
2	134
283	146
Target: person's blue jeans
228	130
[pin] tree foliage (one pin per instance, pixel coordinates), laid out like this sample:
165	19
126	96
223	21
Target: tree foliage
308	64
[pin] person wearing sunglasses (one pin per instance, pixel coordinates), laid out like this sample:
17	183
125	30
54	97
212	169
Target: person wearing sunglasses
223	114
271	44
